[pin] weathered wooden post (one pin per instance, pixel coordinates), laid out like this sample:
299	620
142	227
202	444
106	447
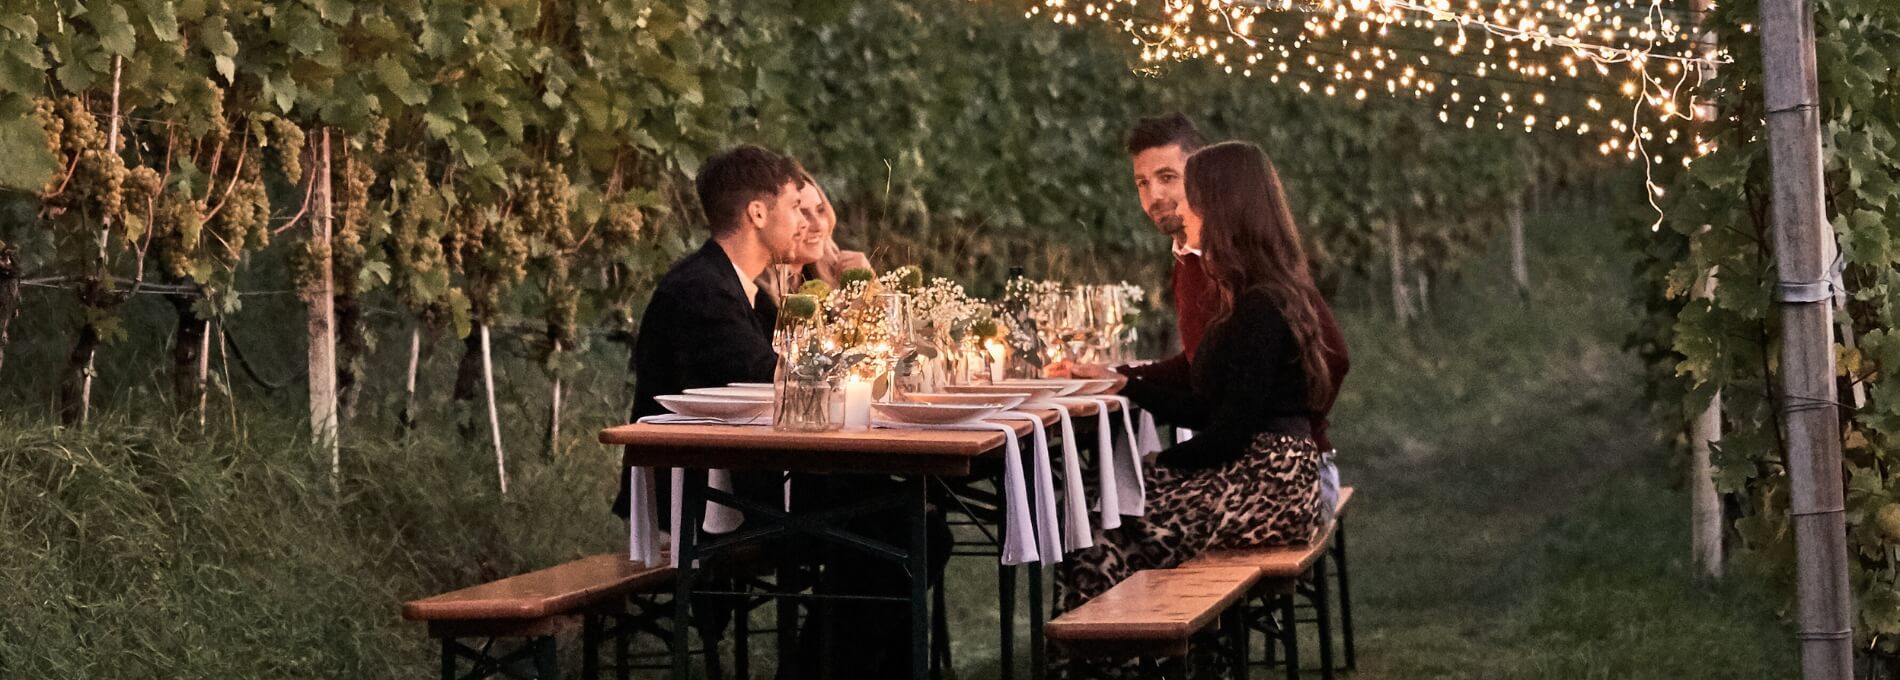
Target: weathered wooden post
1706	520
320	318
1804	257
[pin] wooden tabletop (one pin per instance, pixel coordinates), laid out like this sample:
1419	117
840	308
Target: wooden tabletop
887	451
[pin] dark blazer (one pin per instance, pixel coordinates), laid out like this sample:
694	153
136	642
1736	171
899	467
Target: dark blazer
699	331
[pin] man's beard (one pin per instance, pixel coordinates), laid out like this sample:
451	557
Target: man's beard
1166	216
1170	225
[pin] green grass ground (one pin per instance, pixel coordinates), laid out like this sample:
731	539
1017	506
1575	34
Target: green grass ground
1517	519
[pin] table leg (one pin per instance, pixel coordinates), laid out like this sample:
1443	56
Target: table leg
787	621
1006	609
692	505
1036	669
919	567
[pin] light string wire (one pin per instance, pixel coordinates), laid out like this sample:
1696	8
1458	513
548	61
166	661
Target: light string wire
1652	37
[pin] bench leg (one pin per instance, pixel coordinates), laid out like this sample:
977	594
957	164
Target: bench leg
1260	610
1290	637
1235	624
1345	593
590	646
547	664
448	659
1006	613
1322	606
623	654
741	639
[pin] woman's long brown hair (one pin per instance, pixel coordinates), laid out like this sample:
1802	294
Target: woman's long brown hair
1249	243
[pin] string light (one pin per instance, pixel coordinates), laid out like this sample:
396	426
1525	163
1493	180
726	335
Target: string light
1550	64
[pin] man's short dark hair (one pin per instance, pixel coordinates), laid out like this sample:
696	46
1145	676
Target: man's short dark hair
730	181
1166	130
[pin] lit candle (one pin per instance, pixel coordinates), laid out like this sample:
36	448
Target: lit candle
997	359
857	404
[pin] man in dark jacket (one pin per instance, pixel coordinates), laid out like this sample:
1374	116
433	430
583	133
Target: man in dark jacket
708	324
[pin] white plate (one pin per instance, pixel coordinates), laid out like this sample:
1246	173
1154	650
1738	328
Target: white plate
934	414
1091	386
765	386
714	407
1063	387
1037	393
735	392
1002	401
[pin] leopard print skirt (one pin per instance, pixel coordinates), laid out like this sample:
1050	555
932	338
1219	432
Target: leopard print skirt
1268	497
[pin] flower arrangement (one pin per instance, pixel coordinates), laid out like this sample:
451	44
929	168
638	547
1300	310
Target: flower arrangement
811	362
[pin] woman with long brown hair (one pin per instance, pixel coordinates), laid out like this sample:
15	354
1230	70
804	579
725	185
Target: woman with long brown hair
1249	477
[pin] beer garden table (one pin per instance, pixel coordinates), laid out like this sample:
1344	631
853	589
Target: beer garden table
911	455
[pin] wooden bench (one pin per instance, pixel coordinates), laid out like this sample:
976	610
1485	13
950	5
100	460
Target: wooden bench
1281	570
1154	614
536	606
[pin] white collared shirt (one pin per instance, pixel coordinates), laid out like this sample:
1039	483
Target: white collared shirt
1181	249
746	283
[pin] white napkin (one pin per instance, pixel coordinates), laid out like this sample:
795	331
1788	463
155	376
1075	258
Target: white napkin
719	519
1019	541
643	541
1147	439
1076	534
1121	462
1109	497
1048	536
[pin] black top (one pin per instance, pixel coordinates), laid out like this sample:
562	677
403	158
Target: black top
1246	380
699	331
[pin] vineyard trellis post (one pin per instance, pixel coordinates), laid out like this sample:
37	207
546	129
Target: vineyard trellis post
320	296
1520	266
1804	258
1705	432
1706	518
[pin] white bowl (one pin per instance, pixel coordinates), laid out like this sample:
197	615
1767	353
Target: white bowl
1064	387
1037	393
714	407
734	392
935	414
1002	401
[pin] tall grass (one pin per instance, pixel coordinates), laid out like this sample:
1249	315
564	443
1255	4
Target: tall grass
139	550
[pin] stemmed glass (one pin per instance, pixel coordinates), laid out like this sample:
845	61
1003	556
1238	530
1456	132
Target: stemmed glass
1106	308
1078	324
898	351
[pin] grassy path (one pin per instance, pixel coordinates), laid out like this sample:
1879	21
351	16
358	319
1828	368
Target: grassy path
1519	517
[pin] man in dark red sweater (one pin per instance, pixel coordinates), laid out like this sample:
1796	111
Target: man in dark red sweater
1159	147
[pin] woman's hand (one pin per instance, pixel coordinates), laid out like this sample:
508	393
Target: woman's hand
1069	369
835	260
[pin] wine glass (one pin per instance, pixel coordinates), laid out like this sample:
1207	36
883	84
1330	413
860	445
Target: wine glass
898	349
1106	310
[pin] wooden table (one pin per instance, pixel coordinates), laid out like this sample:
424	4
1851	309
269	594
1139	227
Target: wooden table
914	456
